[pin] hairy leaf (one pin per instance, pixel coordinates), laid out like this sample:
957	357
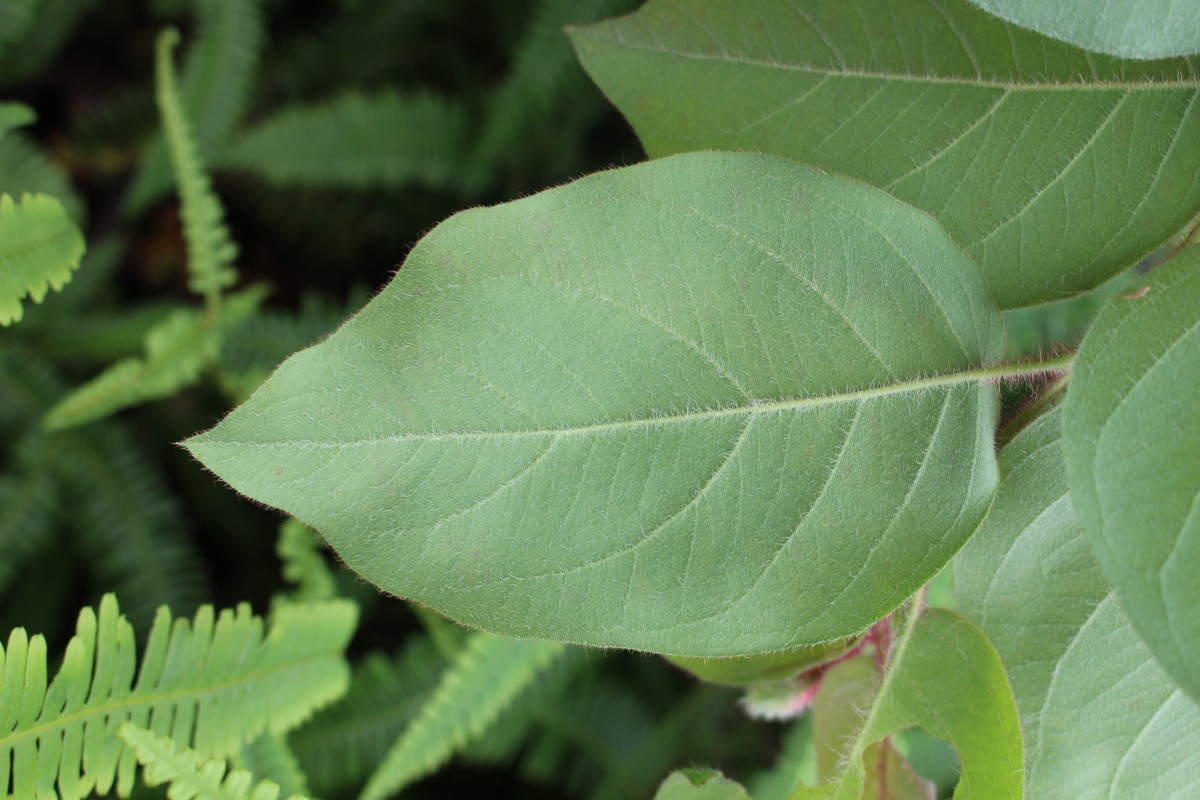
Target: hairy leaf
945	677
191	775
1131	435
1100	717
665	407
356	141
472	693
39	249
1125	28
211	685
1053	168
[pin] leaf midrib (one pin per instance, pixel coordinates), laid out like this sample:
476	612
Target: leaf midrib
978	81
772	407
134	700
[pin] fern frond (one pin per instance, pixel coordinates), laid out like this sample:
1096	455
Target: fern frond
217	76
176	352
39	249
473	692
128	527
53	21
211	684
190	775
344	743
210	249
12	115
544	70
270	758
303	564
356	141
27	503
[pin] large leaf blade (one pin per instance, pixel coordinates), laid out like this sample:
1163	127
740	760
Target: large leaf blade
1021	146
1100	717
1131	432
639	411
1124	28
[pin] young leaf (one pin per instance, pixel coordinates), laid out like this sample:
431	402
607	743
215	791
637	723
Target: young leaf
700	784
177	351
211	685
210	250
1124	28
191	775
1100	717
471	695
945	677
356	141
1053	168
1131	435
666	407
39	249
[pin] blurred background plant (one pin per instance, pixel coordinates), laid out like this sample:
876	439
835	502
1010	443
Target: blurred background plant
335	133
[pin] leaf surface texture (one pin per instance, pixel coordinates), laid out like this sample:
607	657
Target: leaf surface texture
665	407
1054	168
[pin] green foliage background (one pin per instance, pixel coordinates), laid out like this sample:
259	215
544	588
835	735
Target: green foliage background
335	133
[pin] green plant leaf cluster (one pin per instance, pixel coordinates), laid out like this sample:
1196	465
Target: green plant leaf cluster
1054	168
906	296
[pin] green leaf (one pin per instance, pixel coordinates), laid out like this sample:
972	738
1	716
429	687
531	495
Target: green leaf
944	676
473	692
1100	717
778	666
212	685
700	784
1124	28
190	774
177	351
39	249
1055	169
664	407
356	141
210	249
14	115
1131	435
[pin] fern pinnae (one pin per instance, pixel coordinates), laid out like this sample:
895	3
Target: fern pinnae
356	141
210	249
212	684
474	691
189	774
40	248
